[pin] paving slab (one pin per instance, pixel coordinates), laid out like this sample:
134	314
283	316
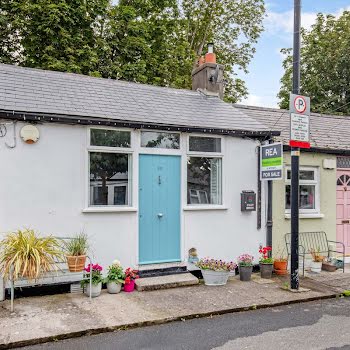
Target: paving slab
165	282
46	318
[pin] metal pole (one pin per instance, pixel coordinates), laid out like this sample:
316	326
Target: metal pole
269	221
295	152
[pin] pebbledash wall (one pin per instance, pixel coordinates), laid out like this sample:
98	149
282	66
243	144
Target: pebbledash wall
45	186
323	217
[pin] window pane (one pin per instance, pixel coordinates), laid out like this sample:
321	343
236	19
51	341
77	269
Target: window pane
110	138
204	180
109	181
205	144
306	197
154	139
306	175
303	175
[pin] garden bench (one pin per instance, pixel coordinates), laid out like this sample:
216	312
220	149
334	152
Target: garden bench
59	276
314	240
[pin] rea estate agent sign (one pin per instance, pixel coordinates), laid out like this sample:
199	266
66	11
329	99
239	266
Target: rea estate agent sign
299	121
271	162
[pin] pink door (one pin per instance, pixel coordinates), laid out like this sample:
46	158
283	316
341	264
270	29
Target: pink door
343	208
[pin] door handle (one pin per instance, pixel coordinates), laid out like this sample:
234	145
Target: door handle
345	221
160	215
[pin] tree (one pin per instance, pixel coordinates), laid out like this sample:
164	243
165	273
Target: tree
325	68
56	35
153	42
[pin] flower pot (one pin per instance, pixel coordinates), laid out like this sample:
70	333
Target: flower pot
95	290
114	287
316	266
266	270
129	287
215	278
280	267
245	273
326	266
76	263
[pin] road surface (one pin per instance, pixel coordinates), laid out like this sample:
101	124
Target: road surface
315	325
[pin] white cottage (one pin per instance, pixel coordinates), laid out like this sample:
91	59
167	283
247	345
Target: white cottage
147	172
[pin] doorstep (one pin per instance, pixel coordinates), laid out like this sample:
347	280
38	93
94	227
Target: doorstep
166	282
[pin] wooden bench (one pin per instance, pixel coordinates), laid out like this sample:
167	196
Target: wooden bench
59	276
314	240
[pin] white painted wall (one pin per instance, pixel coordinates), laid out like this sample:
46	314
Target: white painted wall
44	186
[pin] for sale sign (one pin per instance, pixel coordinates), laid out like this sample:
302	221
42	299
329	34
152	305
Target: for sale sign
271	162
299	121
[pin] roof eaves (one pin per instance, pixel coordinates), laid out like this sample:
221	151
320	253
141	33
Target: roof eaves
86	120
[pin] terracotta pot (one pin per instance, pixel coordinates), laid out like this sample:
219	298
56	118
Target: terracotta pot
280	267
76	263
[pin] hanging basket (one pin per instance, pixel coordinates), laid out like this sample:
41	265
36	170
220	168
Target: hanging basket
76	263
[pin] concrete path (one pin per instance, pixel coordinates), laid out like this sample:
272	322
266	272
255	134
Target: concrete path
39	319
316	325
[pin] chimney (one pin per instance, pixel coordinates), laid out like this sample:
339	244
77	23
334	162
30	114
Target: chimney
208	76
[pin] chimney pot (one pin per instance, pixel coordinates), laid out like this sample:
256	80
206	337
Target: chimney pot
210	56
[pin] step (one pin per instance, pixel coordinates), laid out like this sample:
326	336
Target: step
165	282
161	270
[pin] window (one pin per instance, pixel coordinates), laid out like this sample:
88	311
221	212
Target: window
110	138
153	139
204	144
308	190
109	171
204	180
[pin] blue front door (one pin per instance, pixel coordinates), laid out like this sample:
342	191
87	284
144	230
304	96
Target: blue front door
159	208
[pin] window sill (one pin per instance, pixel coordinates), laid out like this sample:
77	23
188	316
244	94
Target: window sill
306	216
109	210
204	207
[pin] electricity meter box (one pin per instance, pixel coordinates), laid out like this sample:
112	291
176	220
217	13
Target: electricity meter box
248	201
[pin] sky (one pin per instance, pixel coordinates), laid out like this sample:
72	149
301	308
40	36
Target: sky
265	70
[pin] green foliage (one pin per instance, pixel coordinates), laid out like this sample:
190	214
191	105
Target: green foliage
115	274
154	42
325	71
78	245
28	254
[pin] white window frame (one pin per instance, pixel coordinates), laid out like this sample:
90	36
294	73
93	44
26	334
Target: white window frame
118	150
315	182
221	155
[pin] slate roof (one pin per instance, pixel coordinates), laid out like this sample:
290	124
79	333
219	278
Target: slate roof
38	91
327	132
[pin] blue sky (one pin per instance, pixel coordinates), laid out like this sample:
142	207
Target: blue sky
265	70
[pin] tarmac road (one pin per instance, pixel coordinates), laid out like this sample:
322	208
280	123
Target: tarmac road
314	325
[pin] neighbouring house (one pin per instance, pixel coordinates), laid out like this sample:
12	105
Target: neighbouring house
146	172
324	176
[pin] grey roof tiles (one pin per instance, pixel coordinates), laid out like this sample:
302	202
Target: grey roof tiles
326	131
39	91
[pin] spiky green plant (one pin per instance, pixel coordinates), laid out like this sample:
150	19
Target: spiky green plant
78	245
29	254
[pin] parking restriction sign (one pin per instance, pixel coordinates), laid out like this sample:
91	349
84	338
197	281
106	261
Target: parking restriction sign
299	121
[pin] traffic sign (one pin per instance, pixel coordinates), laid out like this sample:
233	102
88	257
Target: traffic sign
271	162
299	104
299	121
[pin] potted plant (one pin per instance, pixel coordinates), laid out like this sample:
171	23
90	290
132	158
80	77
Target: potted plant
329	265
215	272
29	254
265	262
317	259
96	280
280	264
130	277
115	277
245	266
76	249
